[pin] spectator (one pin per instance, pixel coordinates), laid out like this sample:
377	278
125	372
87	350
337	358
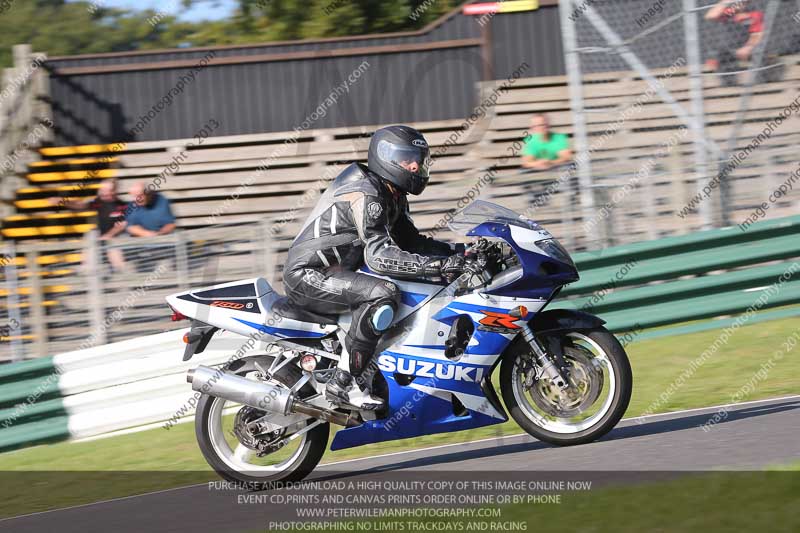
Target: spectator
737	11
150	213
544	149
110	217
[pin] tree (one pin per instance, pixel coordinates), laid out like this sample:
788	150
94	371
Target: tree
57	27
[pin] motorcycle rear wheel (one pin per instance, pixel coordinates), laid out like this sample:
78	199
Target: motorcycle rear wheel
231	463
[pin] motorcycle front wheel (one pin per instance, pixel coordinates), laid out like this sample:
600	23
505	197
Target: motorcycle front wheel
600	380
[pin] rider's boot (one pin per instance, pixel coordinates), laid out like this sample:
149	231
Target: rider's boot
343	389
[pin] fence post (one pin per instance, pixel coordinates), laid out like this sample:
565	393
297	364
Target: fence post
36	301
94	281
575	86
7	144
181	262
697	114
12	282
22	62
41	92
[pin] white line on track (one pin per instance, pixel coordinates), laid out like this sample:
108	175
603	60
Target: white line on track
416	450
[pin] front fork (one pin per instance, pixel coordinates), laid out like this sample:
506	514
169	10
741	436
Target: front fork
552	367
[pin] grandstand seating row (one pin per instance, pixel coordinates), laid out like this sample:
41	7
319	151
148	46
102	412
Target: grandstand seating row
208	174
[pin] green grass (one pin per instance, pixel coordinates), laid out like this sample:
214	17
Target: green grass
656	364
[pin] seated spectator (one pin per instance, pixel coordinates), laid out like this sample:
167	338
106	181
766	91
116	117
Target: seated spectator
545	149
110	217
150	213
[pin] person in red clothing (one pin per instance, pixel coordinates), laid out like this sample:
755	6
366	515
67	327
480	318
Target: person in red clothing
740	12
110	217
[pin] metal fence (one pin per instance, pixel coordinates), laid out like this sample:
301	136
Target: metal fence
745	50
69	295
62	296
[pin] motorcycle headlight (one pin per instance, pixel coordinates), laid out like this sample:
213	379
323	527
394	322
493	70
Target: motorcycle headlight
554	249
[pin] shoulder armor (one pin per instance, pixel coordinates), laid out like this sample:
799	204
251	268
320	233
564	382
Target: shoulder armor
357	178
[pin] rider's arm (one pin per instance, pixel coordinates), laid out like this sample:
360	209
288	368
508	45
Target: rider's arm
408	237
381	253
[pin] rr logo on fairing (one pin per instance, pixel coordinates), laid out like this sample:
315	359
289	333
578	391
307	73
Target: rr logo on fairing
498	321
429	369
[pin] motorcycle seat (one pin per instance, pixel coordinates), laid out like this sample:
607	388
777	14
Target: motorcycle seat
283	307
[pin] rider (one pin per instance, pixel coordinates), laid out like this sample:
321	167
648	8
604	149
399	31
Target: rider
363	218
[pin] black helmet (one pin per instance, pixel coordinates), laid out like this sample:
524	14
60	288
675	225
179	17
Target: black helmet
395	146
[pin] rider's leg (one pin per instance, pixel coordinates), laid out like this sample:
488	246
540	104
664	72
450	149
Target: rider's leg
374	300
370	320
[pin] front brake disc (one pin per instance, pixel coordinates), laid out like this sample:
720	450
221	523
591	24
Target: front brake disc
585	381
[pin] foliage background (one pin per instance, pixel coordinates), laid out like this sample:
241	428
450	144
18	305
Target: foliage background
58	27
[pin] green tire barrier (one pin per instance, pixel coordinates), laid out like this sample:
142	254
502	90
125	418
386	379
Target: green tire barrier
26	369
52	429
698	262
16	392
701	240
613	280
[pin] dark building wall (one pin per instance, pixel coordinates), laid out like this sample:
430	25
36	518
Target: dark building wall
416	76
422	76
454	27
263	97
533	37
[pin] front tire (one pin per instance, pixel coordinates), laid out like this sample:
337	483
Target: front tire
524	403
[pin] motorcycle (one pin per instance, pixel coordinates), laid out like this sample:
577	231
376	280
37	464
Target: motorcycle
563	377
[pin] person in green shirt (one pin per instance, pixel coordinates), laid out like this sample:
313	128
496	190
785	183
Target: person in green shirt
545	149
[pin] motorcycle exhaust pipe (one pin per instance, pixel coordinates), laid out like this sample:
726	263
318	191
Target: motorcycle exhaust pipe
259	395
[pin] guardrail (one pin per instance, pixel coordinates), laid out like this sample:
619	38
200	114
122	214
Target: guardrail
648	284
64	296
678	279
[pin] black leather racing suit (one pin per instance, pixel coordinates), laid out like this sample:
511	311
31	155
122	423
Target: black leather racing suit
358	221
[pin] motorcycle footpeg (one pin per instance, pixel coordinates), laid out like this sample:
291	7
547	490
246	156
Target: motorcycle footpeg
371	403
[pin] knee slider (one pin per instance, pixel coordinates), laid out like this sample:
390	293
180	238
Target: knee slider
382	317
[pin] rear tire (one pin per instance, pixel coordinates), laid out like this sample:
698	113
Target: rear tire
620	396
302	462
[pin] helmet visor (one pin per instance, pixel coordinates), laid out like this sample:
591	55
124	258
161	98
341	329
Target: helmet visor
415	159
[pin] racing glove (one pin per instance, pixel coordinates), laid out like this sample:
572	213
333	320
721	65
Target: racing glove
452	267
456	265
